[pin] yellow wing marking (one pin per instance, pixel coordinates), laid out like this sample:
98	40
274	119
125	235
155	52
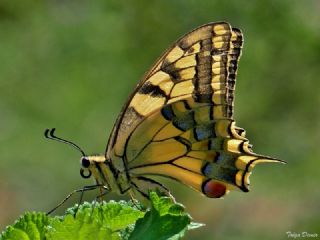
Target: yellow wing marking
189	163
187	73
175	54
204	154
220	29
180	107
242	177
143	133
163	80
168	131
145	104
186	177
216	86
195	48
222	128
219	112
218	97
178	98
200	145
158	152
185	62
217	78
182	88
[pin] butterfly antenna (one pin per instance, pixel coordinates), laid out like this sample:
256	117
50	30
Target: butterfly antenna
49	133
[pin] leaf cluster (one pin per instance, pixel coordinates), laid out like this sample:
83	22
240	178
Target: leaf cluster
106	220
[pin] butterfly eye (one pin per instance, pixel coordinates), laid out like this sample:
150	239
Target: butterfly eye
85	162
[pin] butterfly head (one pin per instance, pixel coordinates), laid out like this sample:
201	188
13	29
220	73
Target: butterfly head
85	166
88	164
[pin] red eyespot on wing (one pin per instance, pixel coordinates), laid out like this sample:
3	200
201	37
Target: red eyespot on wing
213	189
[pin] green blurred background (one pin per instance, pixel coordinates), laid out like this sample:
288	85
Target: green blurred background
72	64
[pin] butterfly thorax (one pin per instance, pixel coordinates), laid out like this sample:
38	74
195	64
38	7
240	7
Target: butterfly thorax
105	173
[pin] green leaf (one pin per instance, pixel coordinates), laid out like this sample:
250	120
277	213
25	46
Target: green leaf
77	228
106	221
191	226
29	226
165	220
94	221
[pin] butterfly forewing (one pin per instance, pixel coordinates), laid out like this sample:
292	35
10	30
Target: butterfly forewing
196	65
179	121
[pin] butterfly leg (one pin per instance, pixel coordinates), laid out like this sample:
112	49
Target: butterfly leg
82	190
99	197
163	189
138	189
132	192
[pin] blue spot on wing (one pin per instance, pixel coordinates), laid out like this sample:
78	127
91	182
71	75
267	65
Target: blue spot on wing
207	170
219	172
185	121
167	112
203	132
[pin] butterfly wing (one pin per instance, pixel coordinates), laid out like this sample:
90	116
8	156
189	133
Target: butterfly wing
166	83
179	121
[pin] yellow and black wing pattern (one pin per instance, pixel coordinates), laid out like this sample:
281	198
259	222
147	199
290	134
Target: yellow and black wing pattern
179	121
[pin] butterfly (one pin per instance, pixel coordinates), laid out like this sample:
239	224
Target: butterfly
178	123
